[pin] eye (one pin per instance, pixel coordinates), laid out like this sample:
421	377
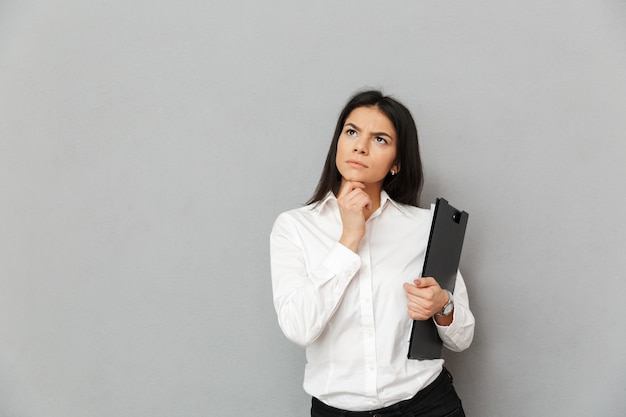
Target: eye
379	139
350	132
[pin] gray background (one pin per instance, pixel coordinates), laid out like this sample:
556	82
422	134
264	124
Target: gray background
146	148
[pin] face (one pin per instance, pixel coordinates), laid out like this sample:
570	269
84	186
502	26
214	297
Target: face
367	147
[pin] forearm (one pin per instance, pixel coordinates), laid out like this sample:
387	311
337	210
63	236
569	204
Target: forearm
306	298
457	332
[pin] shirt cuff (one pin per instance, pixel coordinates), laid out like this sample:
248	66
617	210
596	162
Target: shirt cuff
341	262
448	333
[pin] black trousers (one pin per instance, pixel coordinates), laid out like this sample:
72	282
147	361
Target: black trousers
439	399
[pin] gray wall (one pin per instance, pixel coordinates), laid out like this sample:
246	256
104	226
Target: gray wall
147	146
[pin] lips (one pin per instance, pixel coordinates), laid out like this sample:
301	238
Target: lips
355	163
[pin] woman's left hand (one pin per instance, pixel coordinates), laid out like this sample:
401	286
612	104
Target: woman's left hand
425	298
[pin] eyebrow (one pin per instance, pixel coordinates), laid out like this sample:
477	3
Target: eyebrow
355	127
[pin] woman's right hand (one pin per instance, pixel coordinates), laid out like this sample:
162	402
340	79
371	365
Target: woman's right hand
353	203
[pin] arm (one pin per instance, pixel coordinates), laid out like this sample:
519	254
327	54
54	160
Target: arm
306	296
458	335
426	298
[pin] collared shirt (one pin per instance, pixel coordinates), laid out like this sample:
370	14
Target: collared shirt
350	310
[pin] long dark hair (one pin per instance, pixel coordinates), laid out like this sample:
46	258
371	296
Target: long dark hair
404	187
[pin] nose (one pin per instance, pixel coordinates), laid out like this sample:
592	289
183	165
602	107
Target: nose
360	147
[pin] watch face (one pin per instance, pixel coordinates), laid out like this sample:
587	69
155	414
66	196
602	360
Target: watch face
447	309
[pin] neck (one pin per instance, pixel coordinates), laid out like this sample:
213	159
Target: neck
374	193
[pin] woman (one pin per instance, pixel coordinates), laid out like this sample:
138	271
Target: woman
346	268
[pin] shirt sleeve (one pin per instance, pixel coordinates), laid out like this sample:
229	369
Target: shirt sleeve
306	296
459	334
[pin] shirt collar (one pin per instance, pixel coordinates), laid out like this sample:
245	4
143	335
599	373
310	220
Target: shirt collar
319	206
384	199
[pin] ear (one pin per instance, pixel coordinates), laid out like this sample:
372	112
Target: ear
396	167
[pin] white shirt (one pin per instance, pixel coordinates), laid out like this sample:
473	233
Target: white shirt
350	310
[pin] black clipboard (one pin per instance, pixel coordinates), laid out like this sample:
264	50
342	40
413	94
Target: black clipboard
443	254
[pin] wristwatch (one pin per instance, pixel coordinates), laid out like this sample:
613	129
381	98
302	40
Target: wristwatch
447	309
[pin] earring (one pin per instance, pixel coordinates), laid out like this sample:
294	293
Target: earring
393	172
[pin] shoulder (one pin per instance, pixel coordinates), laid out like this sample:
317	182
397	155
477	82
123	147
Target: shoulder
310	212
412	212
293	217
296	213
